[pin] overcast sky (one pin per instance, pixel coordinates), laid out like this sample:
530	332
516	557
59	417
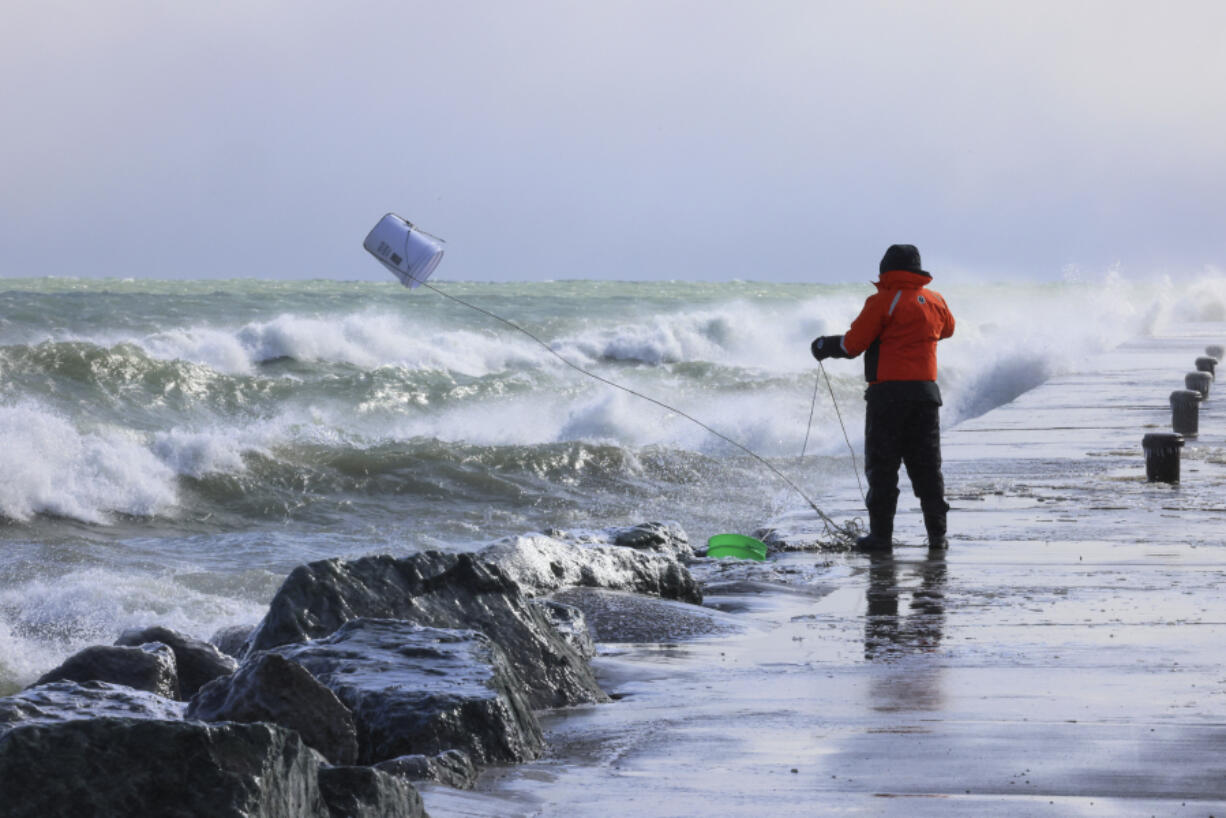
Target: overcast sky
625	139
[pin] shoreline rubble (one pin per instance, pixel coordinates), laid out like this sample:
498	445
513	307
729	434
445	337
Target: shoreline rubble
365	676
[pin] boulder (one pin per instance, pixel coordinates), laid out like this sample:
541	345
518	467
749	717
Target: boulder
416	690
232	639
273	689
666	538
175	769
571	623
362	792
67	701
149	667
452	768
438	590
198	662
542	564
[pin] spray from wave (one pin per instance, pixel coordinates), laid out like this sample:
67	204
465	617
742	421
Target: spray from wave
114	422
53	468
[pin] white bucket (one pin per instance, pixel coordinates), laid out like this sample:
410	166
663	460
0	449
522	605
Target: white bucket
404	249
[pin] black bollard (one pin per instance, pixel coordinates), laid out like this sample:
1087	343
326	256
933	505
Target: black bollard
1216	350
1162	457
1185	411
1200	382
1206	363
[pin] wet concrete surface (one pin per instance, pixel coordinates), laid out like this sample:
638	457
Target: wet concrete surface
1065	657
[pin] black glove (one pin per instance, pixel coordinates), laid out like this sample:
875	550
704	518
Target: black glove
828	346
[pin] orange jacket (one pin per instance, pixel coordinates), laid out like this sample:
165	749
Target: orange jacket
899	327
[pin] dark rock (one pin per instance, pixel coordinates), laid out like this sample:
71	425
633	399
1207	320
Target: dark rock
667	538
198	662
542	564
66	701
169	769
232	640
416	690
452	768
571	623
271	688
436	590
362	792
616	616
149	667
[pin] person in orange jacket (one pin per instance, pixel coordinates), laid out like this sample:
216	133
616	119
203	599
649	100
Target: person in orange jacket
897	331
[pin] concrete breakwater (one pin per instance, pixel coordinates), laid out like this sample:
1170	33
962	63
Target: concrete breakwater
365	676
1062	658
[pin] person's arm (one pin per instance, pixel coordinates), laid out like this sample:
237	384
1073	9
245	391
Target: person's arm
948	329
864	330
868	324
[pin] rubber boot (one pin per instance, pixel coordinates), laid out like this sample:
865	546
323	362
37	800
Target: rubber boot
881	507
934	522
880	535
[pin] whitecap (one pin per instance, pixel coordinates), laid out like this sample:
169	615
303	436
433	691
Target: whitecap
54	468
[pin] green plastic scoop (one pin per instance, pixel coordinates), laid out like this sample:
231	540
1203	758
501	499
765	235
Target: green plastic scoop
736	545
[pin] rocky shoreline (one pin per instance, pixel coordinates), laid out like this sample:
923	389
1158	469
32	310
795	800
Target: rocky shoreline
364	676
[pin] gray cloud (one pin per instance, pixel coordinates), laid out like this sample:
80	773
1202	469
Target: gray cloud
635	140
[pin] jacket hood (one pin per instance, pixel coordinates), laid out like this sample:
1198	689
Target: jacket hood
902	279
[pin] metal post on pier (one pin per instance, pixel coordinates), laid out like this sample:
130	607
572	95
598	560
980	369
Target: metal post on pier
1162	457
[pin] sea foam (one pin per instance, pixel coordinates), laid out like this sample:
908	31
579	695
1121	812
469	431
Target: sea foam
45	619
54	468
365	340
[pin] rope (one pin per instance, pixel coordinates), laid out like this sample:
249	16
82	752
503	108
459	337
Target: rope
833	529
812	405
846	439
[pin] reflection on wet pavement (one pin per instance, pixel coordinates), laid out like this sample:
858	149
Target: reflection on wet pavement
888	633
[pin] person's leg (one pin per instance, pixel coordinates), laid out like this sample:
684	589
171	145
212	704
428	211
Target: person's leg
922	456
882	456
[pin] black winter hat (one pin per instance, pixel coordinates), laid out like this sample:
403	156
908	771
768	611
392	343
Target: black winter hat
902	257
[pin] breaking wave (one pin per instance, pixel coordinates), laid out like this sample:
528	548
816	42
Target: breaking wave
53	468
195	410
